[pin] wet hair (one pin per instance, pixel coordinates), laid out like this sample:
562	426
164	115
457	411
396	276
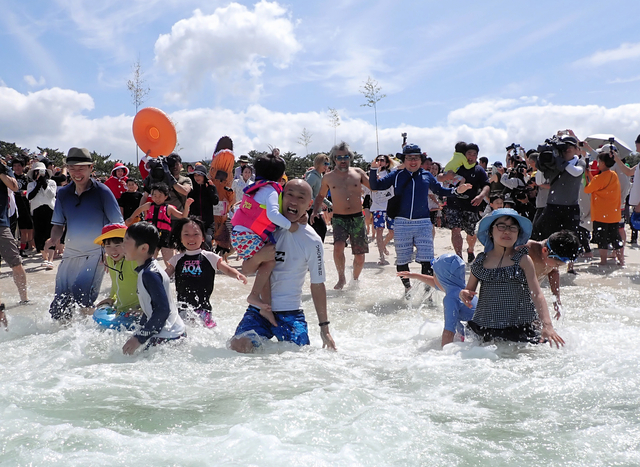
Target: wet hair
608	160
161	187
144	233
115	240
270	167
342	146
461	146
473	146
176	232
565	243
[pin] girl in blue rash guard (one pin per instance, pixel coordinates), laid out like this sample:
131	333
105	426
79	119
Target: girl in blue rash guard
449	276
195	269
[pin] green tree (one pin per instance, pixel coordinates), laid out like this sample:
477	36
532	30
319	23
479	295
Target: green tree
54	155
371	91
10	149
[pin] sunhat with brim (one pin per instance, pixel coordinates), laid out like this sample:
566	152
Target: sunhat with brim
38	166
244	158
79	156
111	231
485	224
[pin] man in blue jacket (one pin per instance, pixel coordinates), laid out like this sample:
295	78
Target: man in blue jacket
412	225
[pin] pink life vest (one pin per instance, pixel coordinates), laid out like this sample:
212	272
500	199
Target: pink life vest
253	215
157	215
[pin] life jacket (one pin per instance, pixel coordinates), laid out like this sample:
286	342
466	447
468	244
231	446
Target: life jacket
252	215
157	215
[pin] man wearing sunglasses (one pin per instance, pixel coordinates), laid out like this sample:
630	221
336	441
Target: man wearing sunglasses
345	183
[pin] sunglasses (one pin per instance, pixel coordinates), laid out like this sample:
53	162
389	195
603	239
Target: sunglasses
327	163
343	158
551	254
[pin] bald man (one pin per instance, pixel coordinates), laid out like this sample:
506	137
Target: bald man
296	253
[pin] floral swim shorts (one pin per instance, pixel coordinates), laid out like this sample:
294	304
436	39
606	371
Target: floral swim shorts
246	244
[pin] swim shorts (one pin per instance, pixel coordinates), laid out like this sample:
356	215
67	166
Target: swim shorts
380	218
292	327
351	226
459	219
246	244
413	232
605	234
9	248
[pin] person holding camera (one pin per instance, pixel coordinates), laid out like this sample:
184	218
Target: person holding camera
25	223
560	163
8	246
168	170
41	193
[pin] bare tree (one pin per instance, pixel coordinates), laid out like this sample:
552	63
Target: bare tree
334	121
138	89
305	139
371	91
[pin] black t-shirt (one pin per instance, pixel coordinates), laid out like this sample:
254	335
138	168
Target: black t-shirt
195	275
129	202
22	203
477	177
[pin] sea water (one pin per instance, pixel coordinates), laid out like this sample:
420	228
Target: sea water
388	397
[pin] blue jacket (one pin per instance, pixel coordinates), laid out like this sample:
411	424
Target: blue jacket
449	270
415	195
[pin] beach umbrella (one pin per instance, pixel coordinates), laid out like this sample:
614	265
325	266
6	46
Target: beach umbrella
595	141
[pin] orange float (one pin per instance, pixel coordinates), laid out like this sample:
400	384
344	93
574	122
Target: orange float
154	132
221	174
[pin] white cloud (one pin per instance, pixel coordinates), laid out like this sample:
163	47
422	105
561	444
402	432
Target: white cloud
62	122
31	81
232	45
626	51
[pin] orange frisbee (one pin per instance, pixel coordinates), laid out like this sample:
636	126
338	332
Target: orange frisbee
154	133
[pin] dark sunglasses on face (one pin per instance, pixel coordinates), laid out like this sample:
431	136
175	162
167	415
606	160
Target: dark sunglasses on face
343	158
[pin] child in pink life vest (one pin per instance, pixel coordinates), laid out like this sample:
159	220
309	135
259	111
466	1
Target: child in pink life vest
159	213
253	223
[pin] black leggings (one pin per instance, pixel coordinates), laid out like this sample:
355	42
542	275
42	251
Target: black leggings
426	269
41	225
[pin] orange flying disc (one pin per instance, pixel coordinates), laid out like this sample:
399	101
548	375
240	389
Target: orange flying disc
154	133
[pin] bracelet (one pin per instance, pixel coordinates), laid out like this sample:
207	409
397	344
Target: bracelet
324	323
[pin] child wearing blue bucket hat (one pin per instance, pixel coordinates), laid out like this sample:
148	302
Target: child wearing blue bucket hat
511	305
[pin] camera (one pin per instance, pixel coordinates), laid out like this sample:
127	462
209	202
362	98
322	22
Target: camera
404	135
612	140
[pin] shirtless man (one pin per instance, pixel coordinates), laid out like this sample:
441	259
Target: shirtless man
345	183
548	255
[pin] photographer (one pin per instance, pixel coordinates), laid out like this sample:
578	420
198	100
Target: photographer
560	163
168	170
8	247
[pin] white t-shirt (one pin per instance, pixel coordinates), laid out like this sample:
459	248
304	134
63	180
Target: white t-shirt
379	198
296	253
268	196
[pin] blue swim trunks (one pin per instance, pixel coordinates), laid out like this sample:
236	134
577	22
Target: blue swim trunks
292	327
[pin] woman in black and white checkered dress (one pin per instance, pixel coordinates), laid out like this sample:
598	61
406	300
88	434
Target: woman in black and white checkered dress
509	290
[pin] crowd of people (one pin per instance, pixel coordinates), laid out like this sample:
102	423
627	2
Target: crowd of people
534	213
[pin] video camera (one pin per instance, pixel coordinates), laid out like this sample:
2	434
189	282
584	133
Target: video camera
160	171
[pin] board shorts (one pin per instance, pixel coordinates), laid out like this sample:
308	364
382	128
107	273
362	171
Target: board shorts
409	233
523	333
78	282
246	244
380	218
165	237
9	248
605	234
351	226
459	219
292	327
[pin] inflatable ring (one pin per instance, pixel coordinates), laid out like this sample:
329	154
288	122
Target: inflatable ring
154	132
107	317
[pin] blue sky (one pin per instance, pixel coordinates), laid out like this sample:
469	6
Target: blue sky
492	72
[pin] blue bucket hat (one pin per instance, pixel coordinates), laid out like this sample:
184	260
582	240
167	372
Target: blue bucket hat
485	223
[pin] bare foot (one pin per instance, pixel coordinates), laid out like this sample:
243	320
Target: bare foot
265	309
386	252
383	262
341	283
267	314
